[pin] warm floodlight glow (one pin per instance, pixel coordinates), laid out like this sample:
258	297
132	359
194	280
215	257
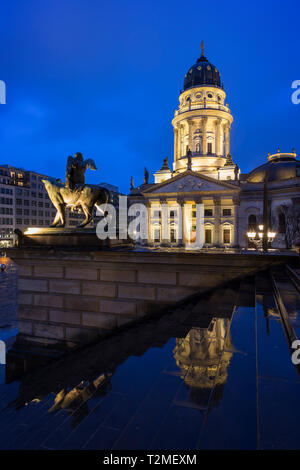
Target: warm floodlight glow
271	234
261	227
32	230
260	234
251	234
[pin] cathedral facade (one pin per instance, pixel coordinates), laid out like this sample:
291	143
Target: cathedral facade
204	174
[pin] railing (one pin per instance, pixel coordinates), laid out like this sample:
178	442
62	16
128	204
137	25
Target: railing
201	105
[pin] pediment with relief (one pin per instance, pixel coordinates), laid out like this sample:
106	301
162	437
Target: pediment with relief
190	183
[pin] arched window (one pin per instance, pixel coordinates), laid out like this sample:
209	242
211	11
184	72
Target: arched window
252	222
281	223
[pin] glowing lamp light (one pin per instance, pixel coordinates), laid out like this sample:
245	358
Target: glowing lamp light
261	227
260	234
251	234
32	230
271	234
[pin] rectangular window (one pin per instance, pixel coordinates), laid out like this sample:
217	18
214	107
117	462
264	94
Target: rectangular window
226	235
208	235
209	148
208	212
226	212
156	214
156	235
173	235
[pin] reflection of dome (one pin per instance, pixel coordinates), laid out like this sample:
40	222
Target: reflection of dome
280	167
201	355
202	73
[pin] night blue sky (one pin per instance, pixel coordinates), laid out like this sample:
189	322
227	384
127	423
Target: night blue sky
103	78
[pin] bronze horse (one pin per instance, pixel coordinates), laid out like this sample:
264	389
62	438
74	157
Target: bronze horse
84	197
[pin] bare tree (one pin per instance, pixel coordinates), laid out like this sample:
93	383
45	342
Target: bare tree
291	227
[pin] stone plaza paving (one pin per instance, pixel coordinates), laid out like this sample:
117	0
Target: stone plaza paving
214	373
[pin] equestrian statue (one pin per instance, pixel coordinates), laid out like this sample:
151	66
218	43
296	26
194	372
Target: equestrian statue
75	194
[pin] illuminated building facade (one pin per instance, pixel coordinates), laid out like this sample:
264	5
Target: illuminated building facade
204	173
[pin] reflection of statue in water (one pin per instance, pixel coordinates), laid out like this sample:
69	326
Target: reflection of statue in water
76	194
75	401
204	359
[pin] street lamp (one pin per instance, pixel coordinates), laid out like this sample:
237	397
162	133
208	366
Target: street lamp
257	237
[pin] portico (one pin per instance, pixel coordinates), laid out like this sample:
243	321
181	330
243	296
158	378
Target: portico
191	209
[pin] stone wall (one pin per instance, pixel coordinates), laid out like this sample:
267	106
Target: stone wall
72	297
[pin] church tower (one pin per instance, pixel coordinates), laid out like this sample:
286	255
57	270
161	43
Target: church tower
202	124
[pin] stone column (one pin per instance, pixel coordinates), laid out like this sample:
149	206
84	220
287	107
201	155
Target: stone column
191	128
227	140
236	202
185	233
149	222
180	154
175	144
200	235
165	238
204	129
180	203
218	137
217	219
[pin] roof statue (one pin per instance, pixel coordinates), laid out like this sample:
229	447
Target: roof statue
146	176
165	164
189	159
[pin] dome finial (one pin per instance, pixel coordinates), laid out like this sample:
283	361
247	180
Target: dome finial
202	48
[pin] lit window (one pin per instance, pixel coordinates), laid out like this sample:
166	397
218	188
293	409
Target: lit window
208	235
157	235
173	235
226	212
208	212
226	235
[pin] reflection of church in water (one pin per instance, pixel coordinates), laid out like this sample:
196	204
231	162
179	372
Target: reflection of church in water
203	358
204	172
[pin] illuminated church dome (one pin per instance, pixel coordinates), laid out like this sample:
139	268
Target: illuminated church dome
202	73
280	166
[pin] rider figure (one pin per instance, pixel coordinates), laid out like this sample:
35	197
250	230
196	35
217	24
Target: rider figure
75	174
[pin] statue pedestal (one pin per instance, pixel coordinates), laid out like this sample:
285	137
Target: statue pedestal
64	238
